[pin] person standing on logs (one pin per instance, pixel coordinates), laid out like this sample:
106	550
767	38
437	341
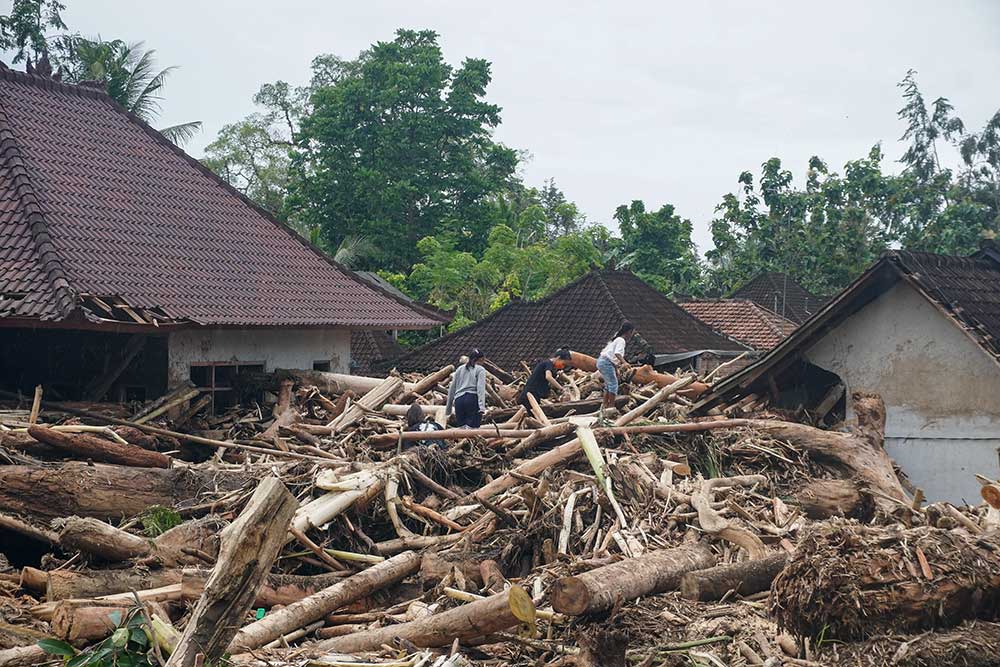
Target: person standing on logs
612	358
542	378
467	393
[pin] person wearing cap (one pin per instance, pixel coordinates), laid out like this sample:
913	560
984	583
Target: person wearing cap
467	393
612	357
542	378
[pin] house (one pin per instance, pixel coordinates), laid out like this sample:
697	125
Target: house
923	332
127	267
742	319
780	293
582	316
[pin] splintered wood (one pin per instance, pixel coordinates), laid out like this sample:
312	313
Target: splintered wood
343	520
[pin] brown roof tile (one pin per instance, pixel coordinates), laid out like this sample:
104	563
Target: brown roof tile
780	293
582	316
742	319
94	201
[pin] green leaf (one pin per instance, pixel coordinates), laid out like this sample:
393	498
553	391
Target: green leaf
120	638
57	647
138	636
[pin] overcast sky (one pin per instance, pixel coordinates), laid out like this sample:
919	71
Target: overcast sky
654	100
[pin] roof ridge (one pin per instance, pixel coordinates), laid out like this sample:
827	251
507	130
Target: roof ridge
54	85
29	208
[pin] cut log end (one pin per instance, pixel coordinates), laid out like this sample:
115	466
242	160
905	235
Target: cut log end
570	595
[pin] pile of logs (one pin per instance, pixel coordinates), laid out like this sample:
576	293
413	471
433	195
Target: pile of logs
321	528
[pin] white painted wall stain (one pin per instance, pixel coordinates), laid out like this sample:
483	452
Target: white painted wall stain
942	392
277	348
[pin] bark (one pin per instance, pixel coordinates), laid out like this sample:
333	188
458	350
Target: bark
80	625
540	436
34	579
745	578
602	647
434	569
374	399
388	440
81	445
318	605
45	610
465	622
249	546
428	383
975	644
639	375
824	498
859	452
629	579
199	534
22	442
105	492
23	656
78	584
102	540
560	409
27	529
18	635
277	589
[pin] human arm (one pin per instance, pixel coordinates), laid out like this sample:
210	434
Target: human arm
553	382
481	388
451	393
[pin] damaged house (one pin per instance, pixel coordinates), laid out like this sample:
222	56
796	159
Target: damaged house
923	332
127	267
742	319
582	316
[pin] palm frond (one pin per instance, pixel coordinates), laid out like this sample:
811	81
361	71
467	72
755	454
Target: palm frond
182	133
351	249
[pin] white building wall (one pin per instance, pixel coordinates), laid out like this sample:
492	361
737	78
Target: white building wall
942	392
276	348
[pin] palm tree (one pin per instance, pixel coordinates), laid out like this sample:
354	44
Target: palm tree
130	75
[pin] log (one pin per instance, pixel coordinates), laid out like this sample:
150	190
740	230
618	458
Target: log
859	452
629	579
172	548
974	644
713	523
45	610
541	435
639	375
560	409
371	401
22	442
102	540
18	635
34	579
80	625
24	656
81	445
337	383
744	577
434	569
249	546
277	589
858	581
103	491
428	383
385	440
476	619
316	606
81	584
16	525
155	405
825	498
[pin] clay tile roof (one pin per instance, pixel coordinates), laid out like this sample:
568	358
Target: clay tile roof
581	316
370	348
93	201
780	293
742	319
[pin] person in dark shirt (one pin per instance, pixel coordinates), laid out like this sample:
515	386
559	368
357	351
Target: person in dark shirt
542	379
417	421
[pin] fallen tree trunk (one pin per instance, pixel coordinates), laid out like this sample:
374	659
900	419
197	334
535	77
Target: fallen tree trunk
859	453
24	656
82	624
326	601
79	584
560	409
629	579
337	383
744	578
825	498
639	374
12	636
277	589
374	399
103	491
81	445
476	619
857	581
249	546
428	383
975	644
103	540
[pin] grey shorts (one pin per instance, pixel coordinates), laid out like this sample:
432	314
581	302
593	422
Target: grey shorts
609	373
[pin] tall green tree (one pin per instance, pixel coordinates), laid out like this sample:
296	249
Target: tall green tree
24	29
660	245
398	147
129	73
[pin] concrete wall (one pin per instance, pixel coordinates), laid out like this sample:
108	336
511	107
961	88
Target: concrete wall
276	348
942	392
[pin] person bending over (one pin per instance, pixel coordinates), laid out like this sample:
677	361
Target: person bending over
542	379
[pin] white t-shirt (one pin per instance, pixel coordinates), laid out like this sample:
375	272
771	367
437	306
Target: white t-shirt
613	348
